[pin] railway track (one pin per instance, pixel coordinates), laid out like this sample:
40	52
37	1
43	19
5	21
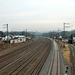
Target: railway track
72	56
27	60
39	63
8	58
55	63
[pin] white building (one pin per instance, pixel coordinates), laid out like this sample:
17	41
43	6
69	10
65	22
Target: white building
18	39
5	38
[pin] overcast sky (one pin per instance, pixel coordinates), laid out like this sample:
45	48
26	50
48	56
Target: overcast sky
37	15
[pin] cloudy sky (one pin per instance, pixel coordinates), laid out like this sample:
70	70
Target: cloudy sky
37	15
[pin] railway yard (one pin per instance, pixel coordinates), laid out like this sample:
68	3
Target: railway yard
41	56
37	37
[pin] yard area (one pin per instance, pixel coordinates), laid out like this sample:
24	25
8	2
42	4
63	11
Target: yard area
6	48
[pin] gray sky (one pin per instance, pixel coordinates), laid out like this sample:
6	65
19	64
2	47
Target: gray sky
37	15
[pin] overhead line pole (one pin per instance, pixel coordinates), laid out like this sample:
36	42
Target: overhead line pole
26	34
64	31
7	30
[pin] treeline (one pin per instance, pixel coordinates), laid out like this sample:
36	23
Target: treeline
51	34
20	33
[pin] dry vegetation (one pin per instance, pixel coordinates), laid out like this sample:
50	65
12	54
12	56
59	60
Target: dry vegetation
7	46
65	51
10	46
